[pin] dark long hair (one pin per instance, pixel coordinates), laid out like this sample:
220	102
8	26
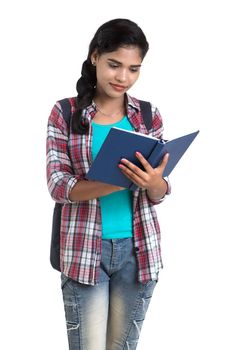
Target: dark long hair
108	38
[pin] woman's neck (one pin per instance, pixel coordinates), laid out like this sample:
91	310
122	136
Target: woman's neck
109	110
109	106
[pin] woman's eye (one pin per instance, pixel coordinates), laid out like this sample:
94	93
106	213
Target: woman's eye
112	65
134	69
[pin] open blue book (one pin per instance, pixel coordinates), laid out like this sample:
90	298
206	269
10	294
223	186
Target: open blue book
121	143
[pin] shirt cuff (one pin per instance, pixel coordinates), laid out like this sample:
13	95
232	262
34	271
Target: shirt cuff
72	182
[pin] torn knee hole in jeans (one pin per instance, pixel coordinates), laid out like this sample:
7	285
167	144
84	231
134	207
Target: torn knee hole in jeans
143	305
70	305
71	316
137	327
131	344
137	323
71	326
134	336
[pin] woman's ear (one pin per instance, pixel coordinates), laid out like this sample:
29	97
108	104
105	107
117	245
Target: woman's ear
93	58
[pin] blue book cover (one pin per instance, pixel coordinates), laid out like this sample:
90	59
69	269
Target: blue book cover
121	143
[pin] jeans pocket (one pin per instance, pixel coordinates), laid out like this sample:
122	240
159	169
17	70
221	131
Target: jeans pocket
149	289
64	280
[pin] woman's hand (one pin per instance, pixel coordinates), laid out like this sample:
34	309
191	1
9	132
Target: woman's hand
150	178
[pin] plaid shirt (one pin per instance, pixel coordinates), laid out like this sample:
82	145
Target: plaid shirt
68	161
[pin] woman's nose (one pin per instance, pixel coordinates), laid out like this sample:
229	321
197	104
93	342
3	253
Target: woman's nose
121	76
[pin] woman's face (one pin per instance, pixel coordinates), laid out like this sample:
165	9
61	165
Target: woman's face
117	71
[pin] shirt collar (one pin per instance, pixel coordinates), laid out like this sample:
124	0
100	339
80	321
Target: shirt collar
133	102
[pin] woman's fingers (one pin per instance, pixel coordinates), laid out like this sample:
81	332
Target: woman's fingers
147	178
163	163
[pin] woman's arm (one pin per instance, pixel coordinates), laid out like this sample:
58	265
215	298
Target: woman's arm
63	185
86	190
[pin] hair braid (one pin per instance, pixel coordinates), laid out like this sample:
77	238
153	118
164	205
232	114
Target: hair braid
85	87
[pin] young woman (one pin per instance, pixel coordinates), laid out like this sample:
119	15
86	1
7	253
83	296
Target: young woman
110	238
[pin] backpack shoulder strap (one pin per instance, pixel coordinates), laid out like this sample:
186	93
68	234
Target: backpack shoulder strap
66	108
146	113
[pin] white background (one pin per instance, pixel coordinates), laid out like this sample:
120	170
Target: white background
188	73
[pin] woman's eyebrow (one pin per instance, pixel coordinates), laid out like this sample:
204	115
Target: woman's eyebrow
117	62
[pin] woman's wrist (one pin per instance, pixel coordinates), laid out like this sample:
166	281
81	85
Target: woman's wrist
156	194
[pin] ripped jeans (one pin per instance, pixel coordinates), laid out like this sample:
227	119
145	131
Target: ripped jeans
109	315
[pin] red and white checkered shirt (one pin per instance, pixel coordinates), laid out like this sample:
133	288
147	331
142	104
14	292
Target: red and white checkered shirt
68	161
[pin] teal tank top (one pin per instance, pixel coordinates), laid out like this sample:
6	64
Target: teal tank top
116	208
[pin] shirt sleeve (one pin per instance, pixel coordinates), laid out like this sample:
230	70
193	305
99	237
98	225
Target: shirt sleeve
157	131
60	175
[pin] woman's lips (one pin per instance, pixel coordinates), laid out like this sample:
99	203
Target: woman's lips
118	87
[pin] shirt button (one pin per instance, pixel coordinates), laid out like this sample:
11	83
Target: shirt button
137	249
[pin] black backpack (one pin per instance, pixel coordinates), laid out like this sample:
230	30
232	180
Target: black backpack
56	223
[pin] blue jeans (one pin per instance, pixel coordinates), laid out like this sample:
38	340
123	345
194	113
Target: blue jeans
109	315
